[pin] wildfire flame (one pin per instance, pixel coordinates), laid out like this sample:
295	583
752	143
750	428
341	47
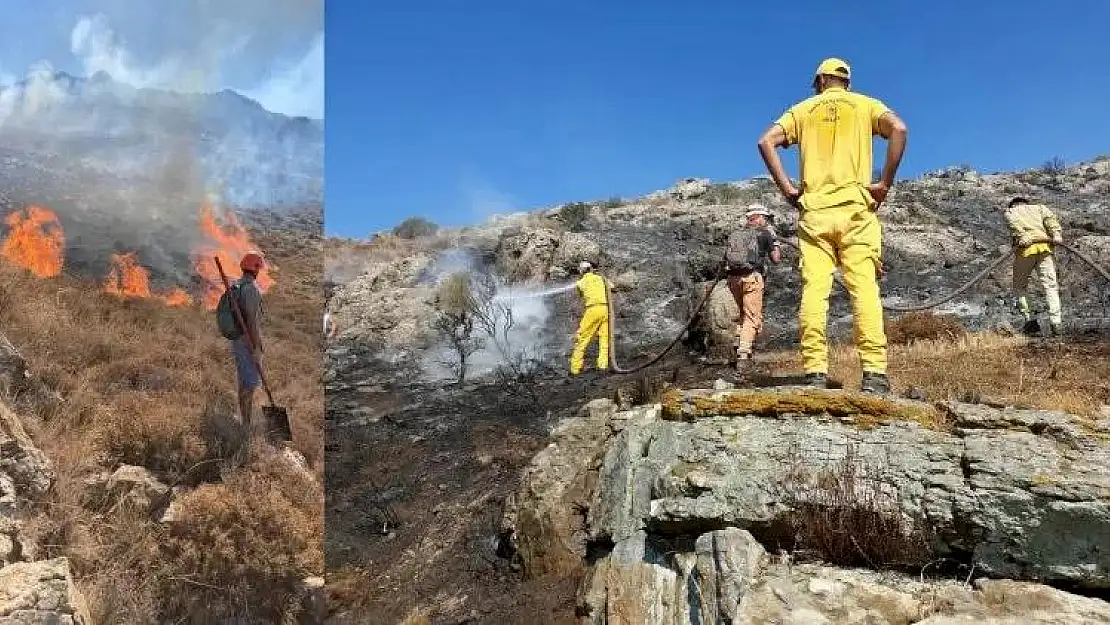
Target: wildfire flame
228	242
36	241
128	278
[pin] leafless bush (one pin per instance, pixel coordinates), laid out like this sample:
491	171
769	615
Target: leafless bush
455	321
847	516
1053	166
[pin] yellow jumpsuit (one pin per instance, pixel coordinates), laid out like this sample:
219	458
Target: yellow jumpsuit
595	320
838	226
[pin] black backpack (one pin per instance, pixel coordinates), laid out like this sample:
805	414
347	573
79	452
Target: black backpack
225	314
742	252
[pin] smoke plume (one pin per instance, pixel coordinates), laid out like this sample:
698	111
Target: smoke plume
134	136
518	335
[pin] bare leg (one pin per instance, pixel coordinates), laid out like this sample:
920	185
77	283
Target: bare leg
246	405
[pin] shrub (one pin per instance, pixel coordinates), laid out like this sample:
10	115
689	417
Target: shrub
924	325
723	193
415	227
574	215
844	516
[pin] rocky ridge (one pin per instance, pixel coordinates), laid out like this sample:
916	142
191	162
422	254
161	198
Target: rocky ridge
728	506
660	252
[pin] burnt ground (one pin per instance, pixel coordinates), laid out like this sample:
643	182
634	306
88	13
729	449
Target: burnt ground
417	476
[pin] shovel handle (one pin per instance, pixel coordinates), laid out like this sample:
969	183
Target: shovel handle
246	330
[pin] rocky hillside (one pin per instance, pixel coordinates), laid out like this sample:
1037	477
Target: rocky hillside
129	491
659	251
511	498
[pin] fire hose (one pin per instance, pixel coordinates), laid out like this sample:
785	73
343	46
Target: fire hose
615	366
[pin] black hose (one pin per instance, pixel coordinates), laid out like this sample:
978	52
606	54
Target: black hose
615	367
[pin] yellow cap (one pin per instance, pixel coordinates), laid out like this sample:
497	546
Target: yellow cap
834	67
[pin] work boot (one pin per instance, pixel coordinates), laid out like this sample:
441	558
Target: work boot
1055	329
817	380
876	383
1031	328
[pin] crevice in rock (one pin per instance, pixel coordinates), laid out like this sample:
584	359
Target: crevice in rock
686	527
598	549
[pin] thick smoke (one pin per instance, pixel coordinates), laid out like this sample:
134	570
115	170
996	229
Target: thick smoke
127	151
520	336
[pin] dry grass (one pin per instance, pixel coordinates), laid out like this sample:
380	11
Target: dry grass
1073	377
844	515
866	409
922	326
154	386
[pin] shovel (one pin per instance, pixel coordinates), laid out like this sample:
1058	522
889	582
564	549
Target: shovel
277	418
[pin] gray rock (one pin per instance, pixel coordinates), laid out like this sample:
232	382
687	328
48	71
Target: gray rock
128	485
25	472
41	593
729	563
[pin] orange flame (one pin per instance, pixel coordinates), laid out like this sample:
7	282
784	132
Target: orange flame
177	297
228	242
128	278
36	241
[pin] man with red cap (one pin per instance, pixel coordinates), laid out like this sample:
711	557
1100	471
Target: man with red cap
246	361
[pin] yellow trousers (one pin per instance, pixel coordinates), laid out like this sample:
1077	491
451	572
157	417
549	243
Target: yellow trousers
848	236
595	320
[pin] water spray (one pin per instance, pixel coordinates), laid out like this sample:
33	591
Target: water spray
555	290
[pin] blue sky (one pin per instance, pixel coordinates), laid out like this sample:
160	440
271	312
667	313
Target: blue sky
271	50
457	110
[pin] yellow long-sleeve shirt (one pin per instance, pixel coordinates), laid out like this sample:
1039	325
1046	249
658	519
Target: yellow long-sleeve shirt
592	288
1030	222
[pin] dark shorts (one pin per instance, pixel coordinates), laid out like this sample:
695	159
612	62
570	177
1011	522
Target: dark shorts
244	365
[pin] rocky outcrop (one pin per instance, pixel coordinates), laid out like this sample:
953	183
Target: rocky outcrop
25	474
132	486
41	593
680	503
31	592
729	578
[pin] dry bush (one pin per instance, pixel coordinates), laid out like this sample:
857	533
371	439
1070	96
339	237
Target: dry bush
844	515
1073	377
240	548
925	325
155	386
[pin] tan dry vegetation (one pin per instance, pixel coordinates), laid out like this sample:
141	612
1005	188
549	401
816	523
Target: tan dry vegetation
1069	376
154	386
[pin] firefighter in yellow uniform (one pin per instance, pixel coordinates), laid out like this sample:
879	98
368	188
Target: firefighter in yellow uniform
1032	226
838	224
595	320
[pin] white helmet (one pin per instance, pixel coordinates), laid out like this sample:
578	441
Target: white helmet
584	266
757	209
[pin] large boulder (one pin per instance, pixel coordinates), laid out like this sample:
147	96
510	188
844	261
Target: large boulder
41	593
685	500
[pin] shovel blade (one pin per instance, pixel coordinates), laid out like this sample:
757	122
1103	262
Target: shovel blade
277	423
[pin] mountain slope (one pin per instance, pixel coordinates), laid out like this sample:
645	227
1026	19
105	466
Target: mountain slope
59	130
420	468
